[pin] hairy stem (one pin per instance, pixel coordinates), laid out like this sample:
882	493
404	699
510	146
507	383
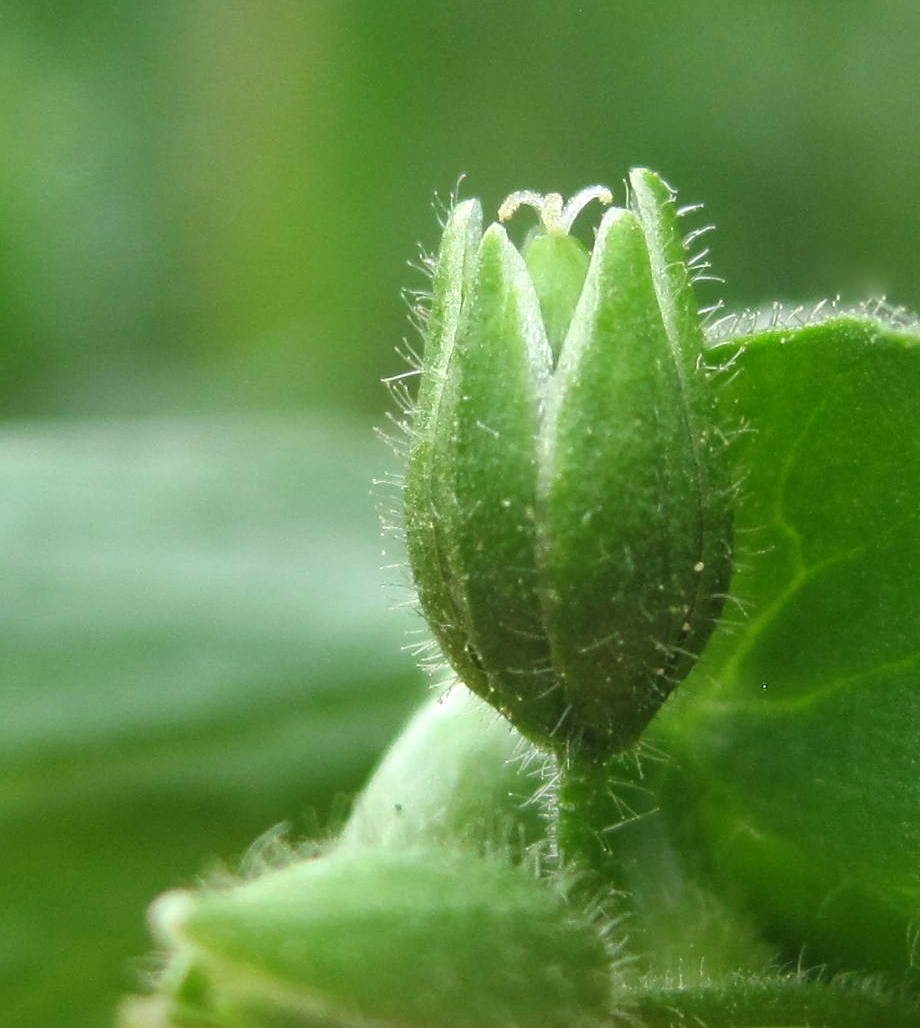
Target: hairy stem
588	812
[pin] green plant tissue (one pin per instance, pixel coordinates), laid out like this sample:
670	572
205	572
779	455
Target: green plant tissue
195	646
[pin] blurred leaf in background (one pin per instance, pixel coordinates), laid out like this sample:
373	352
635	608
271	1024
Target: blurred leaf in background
205	214
211	204
195	647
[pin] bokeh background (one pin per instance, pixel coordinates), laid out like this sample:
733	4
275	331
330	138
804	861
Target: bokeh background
206	213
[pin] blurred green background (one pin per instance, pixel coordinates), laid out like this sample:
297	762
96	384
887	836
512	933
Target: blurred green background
206	210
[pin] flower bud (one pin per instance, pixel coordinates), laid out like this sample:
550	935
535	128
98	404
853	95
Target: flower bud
390	938
454	777
567	512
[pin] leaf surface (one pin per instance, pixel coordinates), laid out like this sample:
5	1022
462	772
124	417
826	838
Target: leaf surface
796	737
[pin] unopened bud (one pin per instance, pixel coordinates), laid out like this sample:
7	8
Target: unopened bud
568	513
390	938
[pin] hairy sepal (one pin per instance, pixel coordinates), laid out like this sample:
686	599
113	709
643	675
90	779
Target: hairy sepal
486	470
624	536
392	939
424	542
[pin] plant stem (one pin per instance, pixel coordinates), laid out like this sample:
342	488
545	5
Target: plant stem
588	811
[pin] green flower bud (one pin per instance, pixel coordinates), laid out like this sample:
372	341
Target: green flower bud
388	938
568	515
453	777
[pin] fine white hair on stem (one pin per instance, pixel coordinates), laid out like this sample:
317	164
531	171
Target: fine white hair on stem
779	316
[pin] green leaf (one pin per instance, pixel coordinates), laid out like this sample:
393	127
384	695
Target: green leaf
796	738
787	1001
